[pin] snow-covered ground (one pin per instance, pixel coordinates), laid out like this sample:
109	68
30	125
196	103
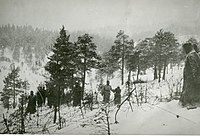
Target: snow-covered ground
162	118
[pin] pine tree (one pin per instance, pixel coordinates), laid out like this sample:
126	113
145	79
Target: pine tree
143	55
12	87
88	56
64	67
57	67
165	45
118	56
109	64
121	44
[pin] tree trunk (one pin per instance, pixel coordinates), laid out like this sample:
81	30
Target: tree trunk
72	86
59	103
146	94
159	74
14	103
138	71
122	70
164	70
59	117
83	80
123	55
72	80
84	74
129	80
22	116
171	67
155	71
167	69
6	124
55	114
159	68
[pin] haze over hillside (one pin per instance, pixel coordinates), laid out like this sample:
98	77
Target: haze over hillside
137	18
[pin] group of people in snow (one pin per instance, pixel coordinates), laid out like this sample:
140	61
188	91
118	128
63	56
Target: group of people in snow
40	96
106	92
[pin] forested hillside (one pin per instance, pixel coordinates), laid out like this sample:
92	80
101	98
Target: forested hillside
36	41
31	41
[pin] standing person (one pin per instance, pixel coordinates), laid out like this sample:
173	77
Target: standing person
100	88
191	77
31	108
77	95
50	98
68	97
117	96
106	92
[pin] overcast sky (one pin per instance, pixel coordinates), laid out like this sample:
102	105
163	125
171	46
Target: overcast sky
99	14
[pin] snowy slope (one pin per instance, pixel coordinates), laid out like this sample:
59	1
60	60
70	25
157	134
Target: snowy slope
145	119
159	119
26	73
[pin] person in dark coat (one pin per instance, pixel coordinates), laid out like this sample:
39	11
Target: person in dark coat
191	77
106	92
50	98
31	108
41	95
68	97
77	95
117	95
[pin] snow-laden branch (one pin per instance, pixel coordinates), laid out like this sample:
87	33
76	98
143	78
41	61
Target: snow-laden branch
119	106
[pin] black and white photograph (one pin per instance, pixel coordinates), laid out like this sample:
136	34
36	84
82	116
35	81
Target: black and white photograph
100	67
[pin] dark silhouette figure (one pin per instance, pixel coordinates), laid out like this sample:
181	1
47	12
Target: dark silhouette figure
191	77
106	92
95	97
31	108
50	98
117	95
68	98
77	95
41	96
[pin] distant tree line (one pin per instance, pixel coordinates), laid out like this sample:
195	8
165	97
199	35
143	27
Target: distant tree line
32	42
36	43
